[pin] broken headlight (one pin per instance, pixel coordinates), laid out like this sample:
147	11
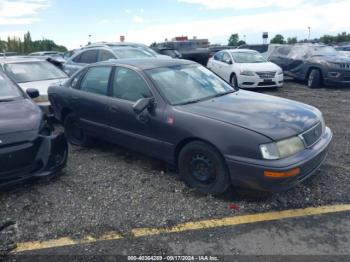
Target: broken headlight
282	149
46	128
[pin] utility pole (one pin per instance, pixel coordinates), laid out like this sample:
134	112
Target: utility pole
309	33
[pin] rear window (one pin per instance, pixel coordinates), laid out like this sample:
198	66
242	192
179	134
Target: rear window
133	52
33	71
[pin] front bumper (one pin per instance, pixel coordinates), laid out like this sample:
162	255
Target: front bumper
337	77
257	82
249	173
41	157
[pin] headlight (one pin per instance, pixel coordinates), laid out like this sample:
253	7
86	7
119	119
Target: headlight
247	73
282	149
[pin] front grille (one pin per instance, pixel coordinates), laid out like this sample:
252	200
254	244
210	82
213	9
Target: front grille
267	83
311	136
344	66
266	75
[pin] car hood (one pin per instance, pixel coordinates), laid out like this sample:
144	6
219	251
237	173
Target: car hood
42	86
274	117
18	116
335	58
259	67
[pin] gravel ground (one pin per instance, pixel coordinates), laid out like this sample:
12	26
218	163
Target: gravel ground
109	188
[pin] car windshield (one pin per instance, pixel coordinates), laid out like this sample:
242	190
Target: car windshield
133	52
8	90
185	84
248	57
33	71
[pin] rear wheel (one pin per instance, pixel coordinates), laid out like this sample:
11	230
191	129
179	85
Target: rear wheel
234	81
314	79
74	132
202	167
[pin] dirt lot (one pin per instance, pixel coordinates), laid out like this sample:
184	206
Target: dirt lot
109	188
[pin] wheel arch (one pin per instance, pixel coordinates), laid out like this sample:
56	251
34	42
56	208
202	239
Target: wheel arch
313	68
188	140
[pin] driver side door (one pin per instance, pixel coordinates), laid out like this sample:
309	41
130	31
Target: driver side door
127	87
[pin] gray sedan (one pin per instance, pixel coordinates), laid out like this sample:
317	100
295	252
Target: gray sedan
180	112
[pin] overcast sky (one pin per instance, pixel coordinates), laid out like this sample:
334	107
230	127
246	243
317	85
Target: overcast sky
69	22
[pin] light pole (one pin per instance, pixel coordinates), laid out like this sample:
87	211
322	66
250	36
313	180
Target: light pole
309	33
89	43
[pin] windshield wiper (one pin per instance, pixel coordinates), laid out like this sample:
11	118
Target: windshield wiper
7	100
223	94
190	102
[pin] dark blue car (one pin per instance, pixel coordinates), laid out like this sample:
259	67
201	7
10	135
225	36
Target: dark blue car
180	112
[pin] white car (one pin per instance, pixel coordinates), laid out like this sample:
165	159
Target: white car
35	73
246	68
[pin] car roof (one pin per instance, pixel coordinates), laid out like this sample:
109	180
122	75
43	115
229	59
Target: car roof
147	63
19	59
241	50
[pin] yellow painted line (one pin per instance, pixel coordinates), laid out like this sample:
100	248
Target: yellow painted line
189	226
64	241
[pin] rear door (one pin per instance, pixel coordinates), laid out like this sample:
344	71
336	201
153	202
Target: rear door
90	102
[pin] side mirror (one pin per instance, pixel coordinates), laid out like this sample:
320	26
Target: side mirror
32	93
230	62
142	104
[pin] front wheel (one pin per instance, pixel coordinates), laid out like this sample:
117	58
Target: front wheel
314	79
202	167
74	132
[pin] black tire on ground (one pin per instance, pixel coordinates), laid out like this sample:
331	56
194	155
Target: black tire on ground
202	167
74	133
233	81
314	79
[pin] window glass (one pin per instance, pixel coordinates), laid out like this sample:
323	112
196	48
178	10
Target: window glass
89	57
96	80
74	82
226	58
129	85
133	52
33	71
218	56
7	89
76	59
197	83
104	55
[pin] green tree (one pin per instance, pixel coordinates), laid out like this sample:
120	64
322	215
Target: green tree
233	40
278	39
292	40
241	42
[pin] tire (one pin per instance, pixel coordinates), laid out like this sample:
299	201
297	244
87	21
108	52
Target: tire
202	167
74	133
314	79
233	81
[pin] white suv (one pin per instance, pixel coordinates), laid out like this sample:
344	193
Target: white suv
246	69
